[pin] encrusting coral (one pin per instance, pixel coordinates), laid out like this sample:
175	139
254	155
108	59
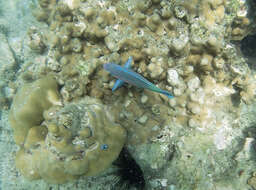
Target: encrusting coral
60	143
29	104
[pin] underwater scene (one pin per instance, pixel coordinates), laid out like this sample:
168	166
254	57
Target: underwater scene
128	95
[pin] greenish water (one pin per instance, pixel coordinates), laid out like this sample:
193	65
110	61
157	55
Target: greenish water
202	52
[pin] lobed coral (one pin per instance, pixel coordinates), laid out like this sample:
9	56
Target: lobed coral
60	143
29	104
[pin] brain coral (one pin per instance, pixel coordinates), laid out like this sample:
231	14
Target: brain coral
67	141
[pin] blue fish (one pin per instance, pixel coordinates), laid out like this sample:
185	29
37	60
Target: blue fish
119	82
125	74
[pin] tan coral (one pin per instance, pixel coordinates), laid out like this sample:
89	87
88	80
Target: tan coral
252	180
73	145
29	104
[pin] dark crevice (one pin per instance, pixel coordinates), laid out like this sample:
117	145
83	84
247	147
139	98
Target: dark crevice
236	98
248	46
129	172
248	49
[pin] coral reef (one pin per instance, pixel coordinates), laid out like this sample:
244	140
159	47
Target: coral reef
200	139
60	143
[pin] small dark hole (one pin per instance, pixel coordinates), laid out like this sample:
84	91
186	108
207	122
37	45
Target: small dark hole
129	172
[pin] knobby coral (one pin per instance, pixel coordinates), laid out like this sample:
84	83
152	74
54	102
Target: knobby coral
60	143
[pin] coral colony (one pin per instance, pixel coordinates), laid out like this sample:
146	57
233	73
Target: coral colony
70	121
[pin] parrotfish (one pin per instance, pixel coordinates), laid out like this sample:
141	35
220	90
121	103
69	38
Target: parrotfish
125	74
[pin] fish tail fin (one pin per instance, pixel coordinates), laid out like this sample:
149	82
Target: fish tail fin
156	89
168	94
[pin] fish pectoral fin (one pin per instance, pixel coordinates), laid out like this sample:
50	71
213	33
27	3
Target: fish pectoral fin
117	84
